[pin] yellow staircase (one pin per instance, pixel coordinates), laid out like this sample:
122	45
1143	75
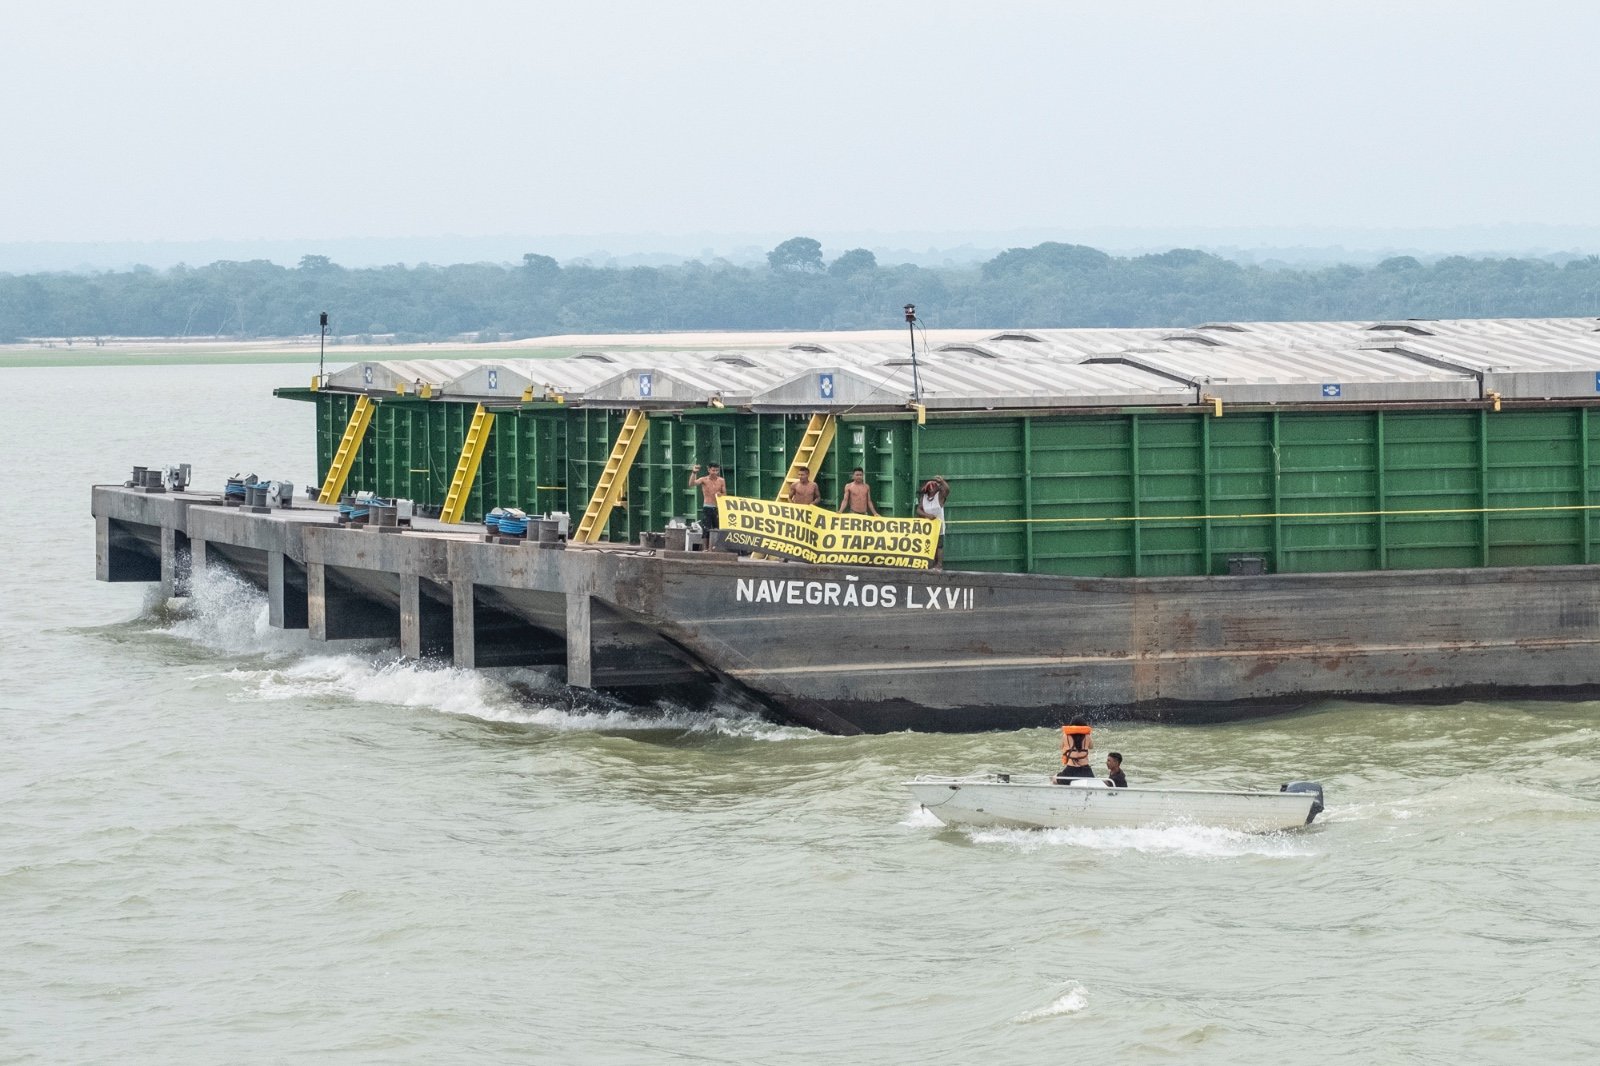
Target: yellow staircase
472	449
343	459
813	449
608	490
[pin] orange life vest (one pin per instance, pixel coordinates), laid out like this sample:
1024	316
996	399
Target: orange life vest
1075	743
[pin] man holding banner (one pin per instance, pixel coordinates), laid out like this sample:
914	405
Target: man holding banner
812	535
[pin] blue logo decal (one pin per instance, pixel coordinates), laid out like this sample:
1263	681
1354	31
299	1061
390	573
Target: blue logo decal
825	386
644	386
1597	381
1332	391
494	378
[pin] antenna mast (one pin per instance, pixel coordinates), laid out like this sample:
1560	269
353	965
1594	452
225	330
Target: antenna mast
911	328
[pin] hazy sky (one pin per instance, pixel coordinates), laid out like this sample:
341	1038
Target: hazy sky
178	120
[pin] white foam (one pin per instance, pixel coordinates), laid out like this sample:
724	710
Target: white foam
226	615
515	696
1185	840
1073	1000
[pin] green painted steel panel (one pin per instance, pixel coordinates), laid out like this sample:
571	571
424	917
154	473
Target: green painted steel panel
1082	477
983	462
1536	457
1242	481
1170	501
524	465
1134	493
1327	491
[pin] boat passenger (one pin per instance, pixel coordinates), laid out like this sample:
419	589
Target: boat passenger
1114	775
1075	748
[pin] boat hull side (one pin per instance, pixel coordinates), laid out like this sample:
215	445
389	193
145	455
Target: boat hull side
1049	806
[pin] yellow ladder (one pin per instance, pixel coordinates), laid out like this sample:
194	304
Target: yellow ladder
813	448
472	449
345	457
608	490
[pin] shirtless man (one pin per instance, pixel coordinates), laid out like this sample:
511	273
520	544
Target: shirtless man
857	498
804	490
712	486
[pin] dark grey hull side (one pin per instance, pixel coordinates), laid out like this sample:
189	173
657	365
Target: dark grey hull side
971	651
867	650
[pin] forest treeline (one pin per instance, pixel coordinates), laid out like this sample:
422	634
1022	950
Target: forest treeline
1046	285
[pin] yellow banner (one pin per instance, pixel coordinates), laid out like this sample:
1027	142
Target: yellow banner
811	535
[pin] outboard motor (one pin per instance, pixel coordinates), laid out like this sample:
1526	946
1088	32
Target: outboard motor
1306	786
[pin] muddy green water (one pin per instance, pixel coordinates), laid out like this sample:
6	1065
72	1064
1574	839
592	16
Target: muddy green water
221	843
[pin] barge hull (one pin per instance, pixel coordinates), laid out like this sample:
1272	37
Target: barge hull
856	649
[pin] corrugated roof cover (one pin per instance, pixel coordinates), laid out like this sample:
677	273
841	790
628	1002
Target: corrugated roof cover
1093	339
503	381
838	387
1049	350
964	383
1521	327
1275	375
1242	362
386	375
951	383
1521	368
733	386
854	353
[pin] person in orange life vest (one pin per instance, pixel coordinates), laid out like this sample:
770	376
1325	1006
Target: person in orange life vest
1075	748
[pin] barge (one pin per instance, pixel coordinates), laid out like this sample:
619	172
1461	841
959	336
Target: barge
1183	525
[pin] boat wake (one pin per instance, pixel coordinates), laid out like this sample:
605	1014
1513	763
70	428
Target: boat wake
227	617
1191	841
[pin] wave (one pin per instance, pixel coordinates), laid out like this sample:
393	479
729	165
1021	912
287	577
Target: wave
228	617
226	614
1192	841
510	695
1071	1001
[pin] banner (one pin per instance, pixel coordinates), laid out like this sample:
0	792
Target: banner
811	535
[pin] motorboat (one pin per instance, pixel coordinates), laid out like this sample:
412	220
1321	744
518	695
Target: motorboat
1037	802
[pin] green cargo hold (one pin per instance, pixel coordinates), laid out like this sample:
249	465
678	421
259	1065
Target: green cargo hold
1285	482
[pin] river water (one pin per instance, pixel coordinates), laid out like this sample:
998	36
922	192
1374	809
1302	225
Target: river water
221	842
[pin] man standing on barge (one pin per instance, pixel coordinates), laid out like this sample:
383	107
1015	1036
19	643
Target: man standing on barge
930	504
804	490
857	498
712	486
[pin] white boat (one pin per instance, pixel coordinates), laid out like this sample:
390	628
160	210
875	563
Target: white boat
1039	803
